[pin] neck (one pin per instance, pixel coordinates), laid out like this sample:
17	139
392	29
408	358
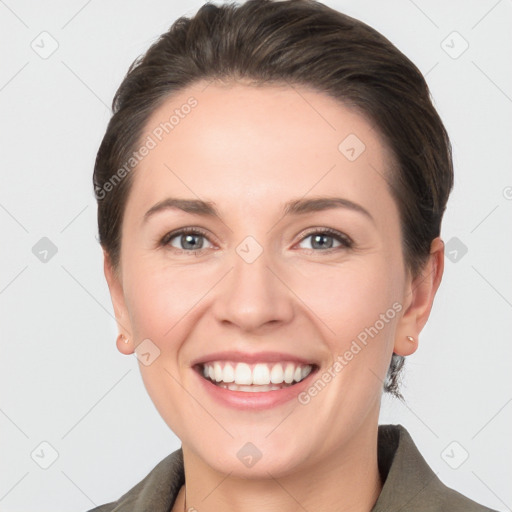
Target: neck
348	481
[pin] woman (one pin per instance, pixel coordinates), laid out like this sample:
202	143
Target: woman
270	194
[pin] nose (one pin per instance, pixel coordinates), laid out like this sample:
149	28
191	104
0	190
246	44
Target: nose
254	295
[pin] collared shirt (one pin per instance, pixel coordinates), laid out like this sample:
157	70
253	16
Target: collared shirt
409	483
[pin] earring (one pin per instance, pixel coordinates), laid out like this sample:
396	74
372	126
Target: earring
411	339
126	340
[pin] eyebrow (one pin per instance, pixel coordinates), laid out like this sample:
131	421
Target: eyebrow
294	207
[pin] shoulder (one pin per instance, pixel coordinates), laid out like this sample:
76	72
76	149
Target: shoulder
156	492
409	483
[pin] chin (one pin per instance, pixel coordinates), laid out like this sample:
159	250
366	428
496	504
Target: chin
254	460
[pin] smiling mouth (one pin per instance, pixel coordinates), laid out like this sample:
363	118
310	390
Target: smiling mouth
252	378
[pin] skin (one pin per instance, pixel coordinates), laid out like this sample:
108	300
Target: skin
250	150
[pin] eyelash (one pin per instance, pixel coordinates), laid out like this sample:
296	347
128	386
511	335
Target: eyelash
345	241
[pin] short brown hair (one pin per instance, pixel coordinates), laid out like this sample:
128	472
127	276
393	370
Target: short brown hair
298	42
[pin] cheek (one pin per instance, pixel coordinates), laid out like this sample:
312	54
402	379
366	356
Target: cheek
163	302
349	297
160	297
356	306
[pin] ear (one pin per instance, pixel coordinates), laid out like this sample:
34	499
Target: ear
124	341
418	298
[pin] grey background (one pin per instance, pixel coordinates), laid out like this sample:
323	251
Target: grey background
62	380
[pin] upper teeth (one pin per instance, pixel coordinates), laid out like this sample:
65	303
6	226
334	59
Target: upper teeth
260	373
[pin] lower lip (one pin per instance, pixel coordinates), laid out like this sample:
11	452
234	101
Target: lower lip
254	400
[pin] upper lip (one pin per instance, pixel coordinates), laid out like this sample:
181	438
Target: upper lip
255	357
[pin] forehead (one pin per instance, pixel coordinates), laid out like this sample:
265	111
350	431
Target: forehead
259	143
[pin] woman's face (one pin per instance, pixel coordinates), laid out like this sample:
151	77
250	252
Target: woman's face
278	275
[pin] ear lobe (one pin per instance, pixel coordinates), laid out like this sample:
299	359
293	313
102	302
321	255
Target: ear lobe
115	287
420	295
125	345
